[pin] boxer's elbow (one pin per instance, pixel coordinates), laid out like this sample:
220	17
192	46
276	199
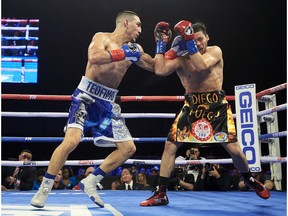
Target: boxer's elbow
161	72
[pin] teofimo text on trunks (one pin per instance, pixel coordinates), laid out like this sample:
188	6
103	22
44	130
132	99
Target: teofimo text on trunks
100	91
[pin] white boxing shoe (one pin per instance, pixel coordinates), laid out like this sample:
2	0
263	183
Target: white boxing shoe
88	185
40	197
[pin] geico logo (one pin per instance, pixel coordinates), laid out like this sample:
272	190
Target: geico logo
245	99
247	136
248	86
246	113
250	154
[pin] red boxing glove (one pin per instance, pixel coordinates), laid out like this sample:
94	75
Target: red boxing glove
170	55
184	28
162	32
162	35
178	48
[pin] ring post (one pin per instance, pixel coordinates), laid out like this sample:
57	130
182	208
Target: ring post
274	147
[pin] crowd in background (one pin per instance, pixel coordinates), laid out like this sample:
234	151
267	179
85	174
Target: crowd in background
199	177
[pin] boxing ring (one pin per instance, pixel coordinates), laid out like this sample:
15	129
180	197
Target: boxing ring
181	202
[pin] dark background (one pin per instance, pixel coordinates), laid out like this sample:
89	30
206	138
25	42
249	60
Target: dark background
251	33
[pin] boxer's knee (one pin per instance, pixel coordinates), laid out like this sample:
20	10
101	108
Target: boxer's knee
127	148
131	149
170	148
71	140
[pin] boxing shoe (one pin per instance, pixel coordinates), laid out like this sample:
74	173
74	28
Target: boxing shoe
158	198
88	185
259	188
40	197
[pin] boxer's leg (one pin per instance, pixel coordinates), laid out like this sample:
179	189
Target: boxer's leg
167	165
240	162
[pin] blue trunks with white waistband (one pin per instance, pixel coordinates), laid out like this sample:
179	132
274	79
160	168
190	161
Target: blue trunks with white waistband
93	109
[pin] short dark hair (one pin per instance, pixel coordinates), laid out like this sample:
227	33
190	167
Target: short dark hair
199	26
126	14
26	150
130	171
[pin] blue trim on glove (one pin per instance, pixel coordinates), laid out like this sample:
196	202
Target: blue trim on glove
160	47
191	47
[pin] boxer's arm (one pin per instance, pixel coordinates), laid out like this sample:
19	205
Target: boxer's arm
165	67
97	53
207	60
162	35
146	61
200	62
128	52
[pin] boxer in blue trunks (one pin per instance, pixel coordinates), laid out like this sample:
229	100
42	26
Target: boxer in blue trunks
206	116
93	105
93	108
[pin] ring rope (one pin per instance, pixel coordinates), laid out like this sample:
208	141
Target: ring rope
62	114
272	110
85	139
129	98
140	139
18	38
273	135
19	47
125	115
19	28
9	59
68	97
139	162
271	90
20	20
18	69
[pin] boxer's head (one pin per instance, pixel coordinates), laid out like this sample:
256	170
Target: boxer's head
200	36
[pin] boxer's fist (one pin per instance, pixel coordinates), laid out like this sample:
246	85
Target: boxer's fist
178	48
162	32
129	52
184	28
132	52
162	36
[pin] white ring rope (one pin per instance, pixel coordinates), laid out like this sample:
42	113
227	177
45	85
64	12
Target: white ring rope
19	47
62	114
18	38
124	115
265	159
19	28
19	69
273	109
